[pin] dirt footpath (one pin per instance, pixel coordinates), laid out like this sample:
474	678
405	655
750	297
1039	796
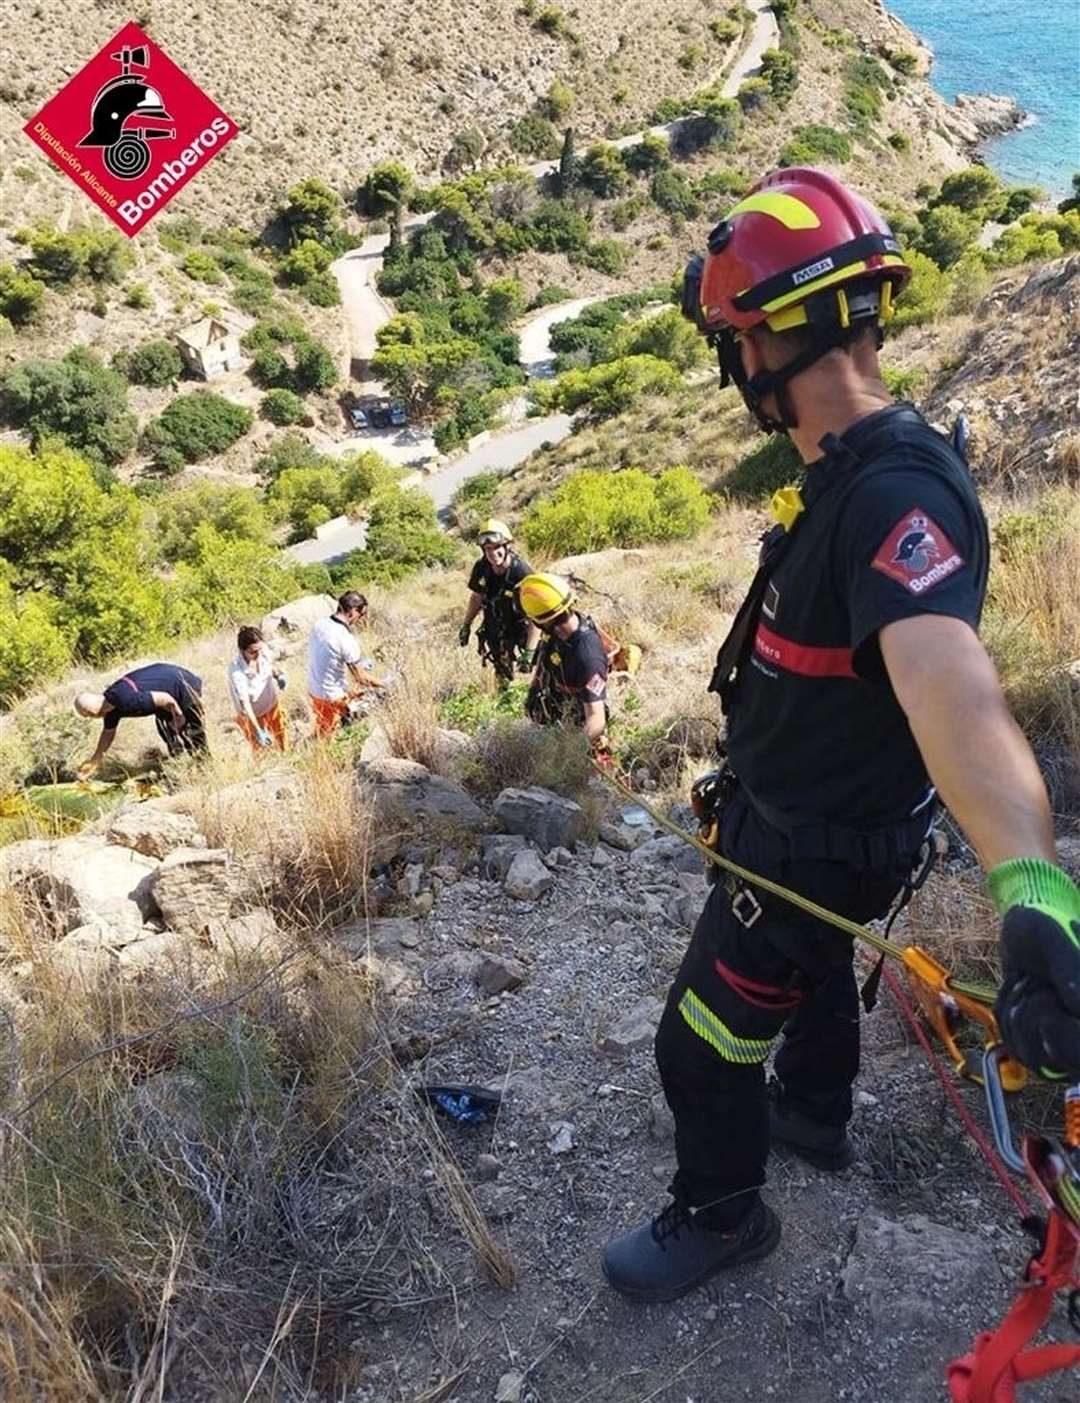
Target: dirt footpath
885	1271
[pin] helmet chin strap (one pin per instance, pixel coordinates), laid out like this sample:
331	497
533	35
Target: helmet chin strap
756	388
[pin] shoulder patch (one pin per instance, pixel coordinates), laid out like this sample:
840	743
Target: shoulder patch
596	684
917	553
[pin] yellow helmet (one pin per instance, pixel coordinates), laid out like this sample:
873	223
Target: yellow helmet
545	597
494	533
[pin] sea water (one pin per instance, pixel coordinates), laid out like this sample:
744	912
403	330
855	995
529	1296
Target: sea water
1030	52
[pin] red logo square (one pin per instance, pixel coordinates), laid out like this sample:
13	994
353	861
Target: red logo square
131	129
917	553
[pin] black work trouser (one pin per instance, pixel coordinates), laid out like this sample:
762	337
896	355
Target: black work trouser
191	738
745	978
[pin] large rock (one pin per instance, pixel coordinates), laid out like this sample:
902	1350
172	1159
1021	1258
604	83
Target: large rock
546	819
195	889
528	879
497	852
900	1272
450	749
70	882
386	937
376	746
406	792
670	852
295	619
154	833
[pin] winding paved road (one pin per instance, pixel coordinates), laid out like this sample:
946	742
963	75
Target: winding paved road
365	312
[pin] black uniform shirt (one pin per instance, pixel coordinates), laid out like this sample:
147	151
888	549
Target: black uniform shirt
130	694
816	730
499	592
579	665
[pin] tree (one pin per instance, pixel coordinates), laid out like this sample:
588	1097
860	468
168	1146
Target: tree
651	153
385	195
781	72
155	363
925	296
603	172
668	336
100	255
20	295
674	194
504	301
946	231
33	648
312	211
282	407
314	367
975	190
303	261
611	387
1073	201
203	267
465	150
76	398
235	513
568	165
198	425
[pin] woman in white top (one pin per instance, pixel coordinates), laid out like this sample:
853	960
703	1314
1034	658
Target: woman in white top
254	684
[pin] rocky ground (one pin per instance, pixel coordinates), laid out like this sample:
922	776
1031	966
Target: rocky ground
524	955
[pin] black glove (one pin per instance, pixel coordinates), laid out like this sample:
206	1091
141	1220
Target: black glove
463	635
1038	1007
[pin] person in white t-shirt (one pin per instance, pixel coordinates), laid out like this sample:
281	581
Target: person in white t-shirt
254	685
337	669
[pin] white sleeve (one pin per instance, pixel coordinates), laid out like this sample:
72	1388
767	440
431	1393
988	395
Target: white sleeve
350	650
238	684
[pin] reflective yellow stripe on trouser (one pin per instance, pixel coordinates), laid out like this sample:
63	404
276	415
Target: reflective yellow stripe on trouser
718	1035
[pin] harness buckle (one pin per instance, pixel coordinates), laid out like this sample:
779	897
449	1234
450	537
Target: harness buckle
745	907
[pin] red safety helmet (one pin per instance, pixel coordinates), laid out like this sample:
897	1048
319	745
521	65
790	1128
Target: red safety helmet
798	250
795	234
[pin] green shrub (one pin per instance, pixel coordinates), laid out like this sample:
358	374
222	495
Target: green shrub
651	153
223	580
904	61
1036	237
473	500
198	425
313	368
312	211
976	190
593	510
20	295
864	83
673	193
610	388
605	256
97	255
303	261
235	513
155	363
269	367
602	171
534	135
781	72
322	290
946	232
550	20
403	536
319	488
138	297
472	708
775	464
282	407
724	31
814	143
549	295
668	336
33	648
203	267
899	141
753	94
510	753
75	398
926	295
903	384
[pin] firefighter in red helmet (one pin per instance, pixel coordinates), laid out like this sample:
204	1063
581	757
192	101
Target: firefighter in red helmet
855	689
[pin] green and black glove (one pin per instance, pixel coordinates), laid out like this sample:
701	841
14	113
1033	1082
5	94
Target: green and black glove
1038	1007
525	659
463	635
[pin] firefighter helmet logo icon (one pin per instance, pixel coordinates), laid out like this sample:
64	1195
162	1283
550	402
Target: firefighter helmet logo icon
126	114
917	547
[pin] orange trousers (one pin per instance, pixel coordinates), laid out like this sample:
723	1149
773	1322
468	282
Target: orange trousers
272	721
328	714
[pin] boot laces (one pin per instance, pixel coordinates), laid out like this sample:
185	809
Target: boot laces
670	1220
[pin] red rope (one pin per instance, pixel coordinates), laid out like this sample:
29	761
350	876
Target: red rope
989	1153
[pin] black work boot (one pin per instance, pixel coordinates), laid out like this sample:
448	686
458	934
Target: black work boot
676	1251
824	1146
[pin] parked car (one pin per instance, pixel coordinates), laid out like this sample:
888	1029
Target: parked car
379	415
358	418
398	417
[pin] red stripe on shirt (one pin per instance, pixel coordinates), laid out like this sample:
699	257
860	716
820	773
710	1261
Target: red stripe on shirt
802	657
